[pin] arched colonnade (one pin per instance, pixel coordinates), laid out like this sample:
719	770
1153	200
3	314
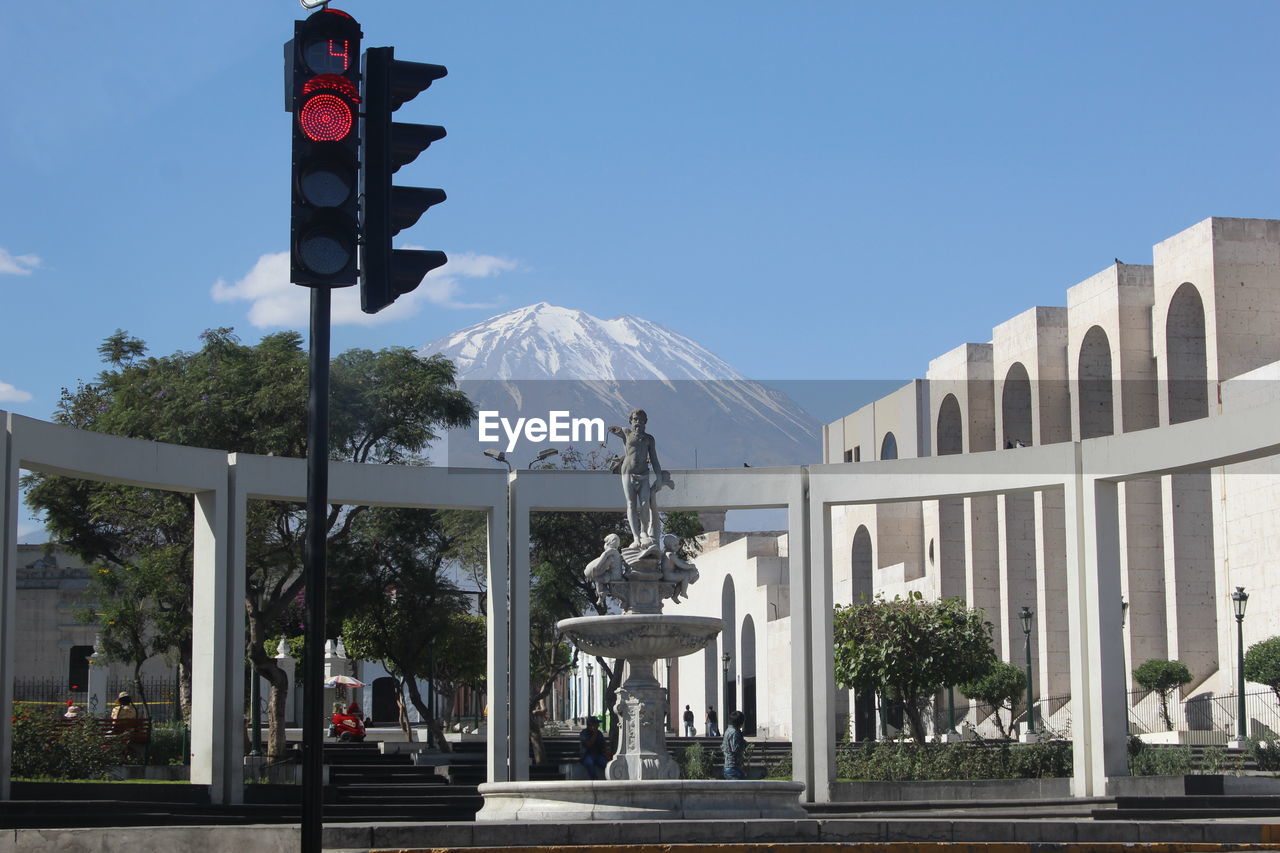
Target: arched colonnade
1088	474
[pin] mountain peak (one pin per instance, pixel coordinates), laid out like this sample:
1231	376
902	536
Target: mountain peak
545	341
709	413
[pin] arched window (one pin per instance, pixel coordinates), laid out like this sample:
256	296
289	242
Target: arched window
889	447
1097	407
1187	359
1015	407
862	564
950	436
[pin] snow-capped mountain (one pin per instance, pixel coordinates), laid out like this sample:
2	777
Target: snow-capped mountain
544	358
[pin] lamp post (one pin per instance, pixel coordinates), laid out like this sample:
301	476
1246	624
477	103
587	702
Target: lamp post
728	688
1026	616
499	456
591	691
1239	600
1124	660
543	455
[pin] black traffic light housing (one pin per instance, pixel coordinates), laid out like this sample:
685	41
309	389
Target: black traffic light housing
386	273
322	81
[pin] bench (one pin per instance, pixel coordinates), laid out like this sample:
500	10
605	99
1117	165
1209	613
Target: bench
130	732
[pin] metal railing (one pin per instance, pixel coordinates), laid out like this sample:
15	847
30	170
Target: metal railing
161	693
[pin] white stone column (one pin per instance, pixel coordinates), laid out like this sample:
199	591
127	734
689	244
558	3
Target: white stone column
1053	661
1098	724
498	651
982	559
8	596
813	688
1144	562
518	705
217	621
1190	600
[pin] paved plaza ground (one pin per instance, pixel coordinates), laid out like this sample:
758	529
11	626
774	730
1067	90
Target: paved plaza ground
908	835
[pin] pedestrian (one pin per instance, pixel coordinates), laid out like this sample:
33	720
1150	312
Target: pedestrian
712	722
735	747
689	730
591	748
124	709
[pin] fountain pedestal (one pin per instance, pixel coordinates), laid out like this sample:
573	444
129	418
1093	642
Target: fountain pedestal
641	639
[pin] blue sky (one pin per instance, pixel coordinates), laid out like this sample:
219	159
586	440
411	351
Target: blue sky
812	190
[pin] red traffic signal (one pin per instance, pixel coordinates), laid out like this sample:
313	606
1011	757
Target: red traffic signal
322	71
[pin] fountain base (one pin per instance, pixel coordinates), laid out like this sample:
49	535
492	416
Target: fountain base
644	799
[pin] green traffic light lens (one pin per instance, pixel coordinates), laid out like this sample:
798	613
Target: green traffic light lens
324	251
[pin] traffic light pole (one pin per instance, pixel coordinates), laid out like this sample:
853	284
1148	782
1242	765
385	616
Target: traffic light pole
317	512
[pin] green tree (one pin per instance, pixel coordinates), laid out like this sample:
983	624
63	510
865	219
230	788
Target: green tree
909	649
140	609
1002	686
385	408
399	601
1262	664
1163	677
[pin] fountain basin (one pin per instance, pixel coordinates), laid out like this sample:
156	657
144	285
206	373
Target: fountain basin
693	799
641	635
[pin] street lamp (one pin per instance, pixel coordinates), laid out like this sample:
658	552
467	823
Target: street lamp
1239	600
591	690
1026	616
1124	612
498	456
728	688
544	454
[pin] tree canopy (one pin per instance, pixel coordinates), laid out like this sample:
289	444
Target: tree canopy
386	407
1002	686
1262	664
910	648
1163	677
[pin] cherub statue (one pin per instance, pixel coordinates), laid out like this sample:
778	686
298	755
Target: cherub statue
676	569
607	568
640	454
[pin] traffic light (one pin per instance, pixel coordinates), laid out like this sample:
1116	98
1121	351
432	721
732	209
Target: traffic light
322	87
386	273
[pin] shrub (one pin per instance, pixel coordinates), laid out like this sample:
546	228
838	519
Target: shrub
694	762
891	761
45	747
1262	664
1163	677
1002	686
170	744
1265	753
1147	760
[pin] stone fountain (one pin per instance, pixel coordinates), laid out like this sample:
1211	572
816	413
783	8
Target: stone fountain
642	781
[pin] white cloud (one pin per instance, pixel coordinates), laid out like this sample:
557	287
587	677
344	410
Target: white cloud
17	264
9	394
275	301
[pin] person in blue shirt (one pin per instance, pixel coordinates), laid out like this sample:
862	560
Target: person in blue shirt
735	747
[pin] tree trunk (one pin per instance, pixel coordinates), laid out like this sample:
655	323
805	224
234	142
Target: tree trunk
264	665
433	725
912	712
184	684
402	711
141	693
